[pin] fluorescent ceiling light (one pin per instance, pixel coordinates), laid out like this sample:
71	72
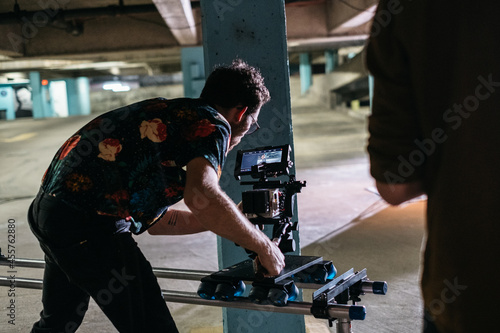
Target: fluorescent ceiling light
115	87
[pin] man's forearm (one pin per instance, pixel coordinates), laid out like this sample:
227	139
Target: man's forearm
218	213
177	222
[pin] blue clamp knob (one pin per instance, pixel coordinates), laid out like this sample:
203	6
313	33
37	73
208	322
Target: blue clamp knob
379	287
357	312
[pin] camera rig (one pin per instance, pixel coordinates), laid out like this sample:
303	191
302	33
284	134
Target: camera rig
270	202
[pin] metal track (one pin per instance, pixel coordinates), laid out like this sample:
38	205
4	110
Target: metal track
298	308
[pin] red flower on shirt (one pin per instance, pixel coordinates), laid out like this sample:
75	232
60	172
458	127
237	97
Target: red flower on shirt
121	198
155	130
109	148
120	195
68	146
76	182
200	129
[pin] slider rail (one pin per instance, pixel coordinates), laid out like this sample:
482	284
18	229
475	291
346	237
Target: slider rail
162	273
298	308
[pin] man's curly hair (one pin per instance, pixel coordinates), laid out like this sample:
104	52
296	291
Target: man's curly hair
239	83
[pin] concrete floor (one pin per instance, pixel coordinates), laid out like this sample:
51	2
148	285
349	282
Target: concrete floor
340	218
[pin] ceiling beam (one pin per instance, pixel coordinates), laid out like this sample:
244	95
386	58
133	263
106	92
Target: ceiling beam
178	15
349	16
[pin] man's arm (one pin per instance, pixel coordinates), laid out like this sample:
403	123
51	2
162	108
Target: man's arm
177	222
219	214
396	194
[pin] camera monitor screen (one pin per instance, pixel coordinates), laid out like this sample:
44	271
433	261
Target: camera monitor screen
275	158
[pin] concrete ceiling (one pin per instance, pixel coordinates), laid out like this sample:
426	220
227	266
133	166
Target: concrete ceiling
101	37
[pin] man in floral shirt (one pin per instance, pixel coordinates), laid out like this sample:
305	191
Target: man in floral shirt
117	176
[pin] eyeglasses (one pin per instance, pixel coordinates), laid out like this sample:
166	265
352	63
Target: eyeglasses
254	127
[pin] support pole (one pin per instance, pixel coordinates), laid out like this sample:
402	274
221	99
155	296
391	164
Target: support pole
37	95
331	60
193	71
78	91
256	32
305	71
7	96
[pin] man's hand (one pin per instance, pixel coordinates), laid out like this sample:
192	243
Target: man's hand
273	261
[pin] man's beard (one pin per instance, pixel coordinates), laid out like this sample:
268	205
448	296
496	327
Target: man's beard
237	133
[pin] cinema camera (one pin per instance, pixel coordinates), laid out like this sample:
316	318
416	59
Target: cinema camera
270	202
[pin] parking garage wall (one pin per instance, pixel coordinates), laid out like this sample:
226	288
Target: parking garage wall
106	100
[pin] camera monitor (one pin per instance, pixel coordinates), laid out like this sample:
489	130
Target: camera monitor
274	160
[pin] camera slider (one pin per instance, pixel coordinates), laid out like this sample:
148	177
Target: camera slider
326	301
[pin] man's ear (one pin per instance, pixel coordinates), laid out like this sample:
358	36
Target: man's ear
241	112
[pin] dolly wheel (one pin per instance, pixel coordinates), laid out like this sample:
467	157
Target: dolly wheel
258	295
227	291
206	290
278	297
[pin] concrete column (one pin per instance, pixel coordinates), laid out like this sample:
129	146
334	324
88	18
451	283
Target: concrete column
254	31
78	92
305	71
331	60
7	102
193	71
37	95
370	90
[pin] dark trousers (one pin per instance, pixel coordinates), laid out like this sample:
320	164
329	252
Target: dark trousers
85	257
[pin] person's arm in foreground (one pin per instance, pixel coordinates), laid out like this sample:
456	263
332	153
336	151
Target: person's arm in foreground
215	211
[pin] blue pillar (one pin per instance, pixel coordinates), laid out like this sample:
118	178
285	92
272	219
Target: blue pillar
305	71
370	89
331	60
193	71
254	31
78	93
7	101
38	95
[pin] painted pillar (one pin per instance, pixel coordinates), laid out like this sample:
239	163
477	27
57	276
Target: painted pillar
331	60
305	71
7	104
193	71
371	83
78	93
37	94
254	31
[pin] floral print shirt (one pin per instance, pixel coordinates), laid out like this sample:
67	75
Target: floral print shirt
130	162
